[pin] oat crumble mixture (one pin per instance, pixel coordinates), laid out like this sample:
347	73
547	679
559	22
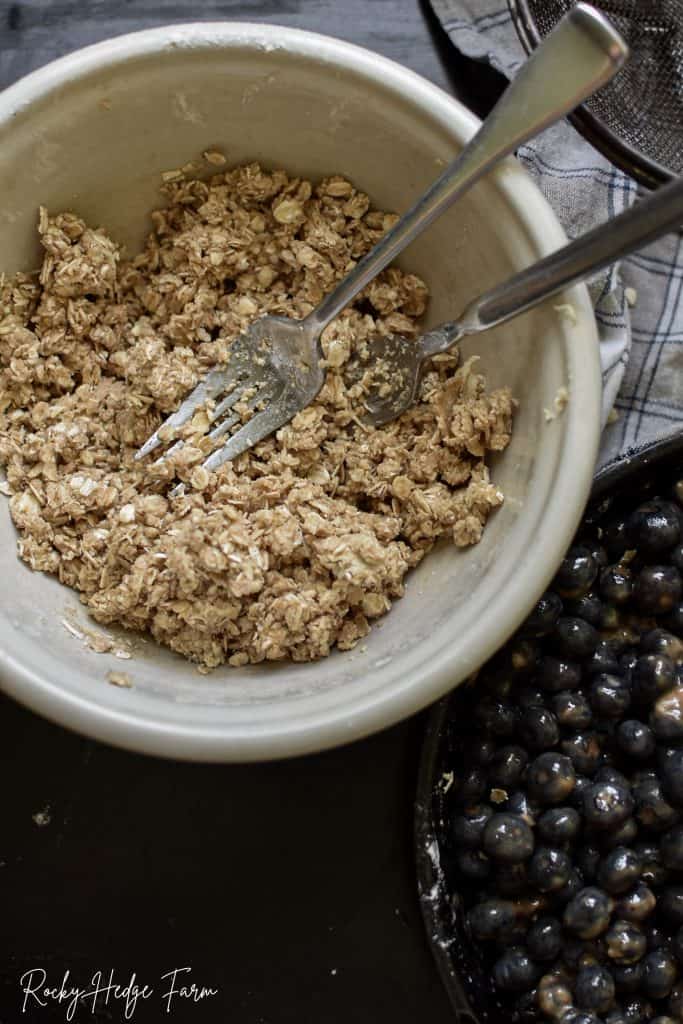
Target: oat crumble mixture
297	545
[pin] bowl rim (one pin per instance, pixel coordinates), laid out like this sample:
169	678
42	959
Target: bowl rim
323	728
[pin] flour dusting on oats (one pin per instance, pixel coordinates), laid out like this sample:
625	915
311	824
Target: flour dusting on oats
297	545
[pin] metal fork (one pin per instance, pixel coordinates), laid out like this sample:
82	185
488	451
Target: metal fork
275	366
395	364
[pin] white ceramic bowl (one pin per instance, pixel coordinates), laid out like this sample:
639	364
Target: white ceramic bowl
93	132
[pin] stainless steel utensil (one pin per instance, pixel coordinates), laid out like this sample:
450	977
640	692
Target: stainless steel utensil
395	364
275	365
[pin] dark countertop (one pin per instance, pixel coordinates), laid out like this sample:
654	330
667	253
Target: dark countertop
289	886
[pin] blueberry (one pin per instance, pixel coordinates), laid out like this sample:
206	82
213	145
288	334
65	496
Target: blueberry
549	869
604	659
671	775
654	527
616	584
652	674
576	953
555	674
576	573
521	654
538	728
666	717
494	716
594	988
580	786
553	996
550	778
619	870
597	551
610	696
544	938
635	739
658	588
515	971
529	696
607	804
614	539
587	914
468	827
652	809
572	1015
637	904
471	787
508	838
584	750
616	1015
625	942
609	621
622	835
660	971
660	1019
518	803
473	864
608	773
677	491
559	825
572	710
507	766
672	848
654	873
561	897
575	639
544	616
496	681
660	641
638	1011
628	978
588	607
491	919
480	750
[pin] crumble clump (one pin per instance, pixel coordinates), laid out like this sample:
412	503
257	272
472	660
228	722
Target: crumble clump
297	545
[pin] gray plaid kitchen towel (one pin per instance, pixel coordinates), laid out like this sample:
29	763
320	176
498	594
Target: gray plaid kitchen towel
638	303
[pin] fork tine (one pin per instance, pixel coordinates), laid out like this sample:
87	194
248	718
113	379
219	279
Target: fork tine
259	426
229	401
208	387
233	375
262	396
171	451
266	394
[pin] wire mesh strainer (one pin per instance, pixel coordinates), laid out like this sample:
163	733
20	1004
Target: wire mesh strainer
637	119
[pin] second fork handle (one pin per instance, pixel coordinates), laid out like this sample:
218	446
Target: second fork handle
645	222
581	53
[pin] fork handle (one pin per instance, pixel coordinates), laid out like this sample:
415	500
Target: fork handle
581	53
645	222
